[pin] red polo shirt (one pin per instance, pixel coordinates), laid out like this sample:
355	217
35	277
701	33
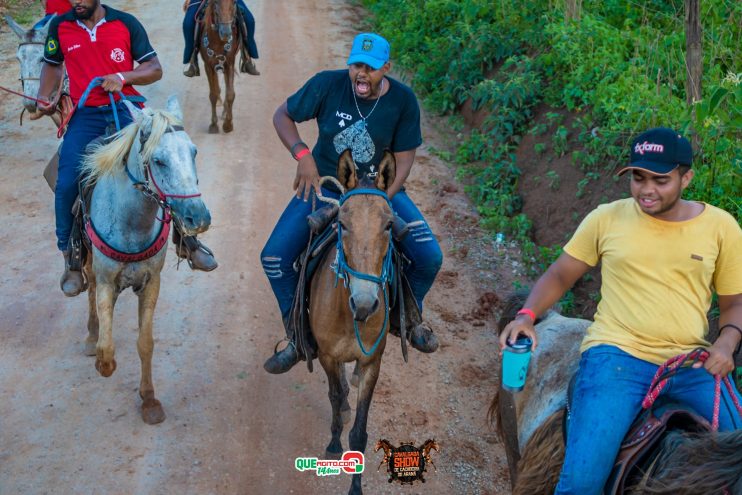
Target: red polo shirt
57	6
112	46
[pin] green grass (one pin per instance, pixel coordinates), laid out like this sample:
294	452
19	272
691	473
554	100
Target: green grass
24	12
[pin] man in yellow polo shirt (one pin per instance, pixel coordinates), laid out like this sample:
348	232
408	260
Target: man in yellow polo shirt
661	259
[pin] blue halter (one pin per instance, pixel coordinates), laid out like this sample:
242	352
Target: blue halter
343	270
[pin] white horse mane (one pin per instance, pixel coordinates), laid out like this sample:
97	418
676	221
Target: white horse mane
107	159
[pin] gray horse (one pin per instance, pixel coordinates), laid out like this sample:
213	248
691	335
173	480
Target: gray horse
30	55
142	176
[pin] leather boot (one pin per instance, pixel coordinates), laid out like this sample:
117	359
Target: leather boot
423	339
420	337
199	256
190	70
247	65
283	360
72	281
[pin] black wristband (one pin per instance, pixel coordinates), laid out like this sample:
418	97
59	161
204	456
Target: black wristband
730	325
293	147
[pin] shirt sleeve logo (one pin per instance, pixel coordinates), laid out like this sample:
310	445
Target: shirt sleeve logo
118	55
51	47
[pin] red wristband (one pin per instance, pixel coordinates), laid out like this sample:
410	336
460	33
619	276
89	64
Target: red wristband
527	312
302	154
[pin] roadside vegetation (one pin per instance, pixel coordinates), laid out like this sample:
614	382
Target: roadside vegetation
618	65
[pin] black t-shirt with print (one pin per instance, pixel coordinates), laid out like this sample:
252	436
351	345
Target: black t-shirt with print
328	97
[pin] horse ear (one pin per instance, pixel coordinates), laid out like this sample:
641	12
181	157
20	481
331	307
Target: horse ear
387	171
18	30
174	107
134	110
347	170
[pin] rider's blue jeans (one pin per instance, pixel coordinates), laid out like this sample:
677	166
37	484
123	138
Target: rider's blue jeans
42	22
86	124
291	234
189	25
609	390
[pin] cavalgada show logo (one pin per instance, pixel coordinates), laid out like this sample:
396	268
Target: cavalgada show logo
406	463
351	462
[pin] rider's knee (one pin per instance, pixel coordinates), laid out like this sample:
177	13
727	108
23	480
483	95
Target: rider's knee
274	265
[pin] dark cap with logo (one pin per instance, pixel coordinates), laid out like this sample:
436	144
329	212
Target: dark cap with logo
659	151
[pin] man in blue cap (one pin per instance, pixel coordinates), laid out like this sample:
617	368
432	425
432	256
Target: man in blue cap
662	258
362	109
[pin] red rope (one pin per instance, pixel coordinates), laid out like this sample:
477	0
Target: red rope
24	96
672	365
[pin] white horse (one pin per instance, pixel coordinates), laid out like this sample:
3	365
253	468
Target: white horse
145	173
30	55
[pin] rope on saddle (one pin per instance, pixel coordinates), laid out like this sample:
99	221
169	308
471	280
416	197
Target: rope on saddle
672	365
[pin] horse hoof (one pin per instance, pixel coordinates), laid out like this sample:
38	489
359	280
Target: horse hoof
213	129
90	349
227	127
105	369
152	412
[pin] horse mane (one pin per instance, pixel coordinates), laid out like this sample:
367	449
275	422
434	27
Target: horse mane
692	463
543	455
107	158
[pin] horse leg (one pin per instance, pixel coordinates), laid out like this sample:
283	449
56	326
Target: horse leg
92	340
214	91
337	394
152	412
229	95
358	436
105	299
345	411
356	376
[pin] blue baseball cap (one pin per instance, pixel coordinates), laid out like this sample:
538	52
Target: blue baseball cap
370	49
659	151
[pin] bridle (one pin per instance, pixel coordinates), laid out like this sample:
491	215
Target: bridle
343	270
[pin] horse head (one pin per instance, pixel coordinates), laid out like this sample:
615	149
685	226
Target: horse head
383	444
429	445
30	55
365	220
225	12
160	155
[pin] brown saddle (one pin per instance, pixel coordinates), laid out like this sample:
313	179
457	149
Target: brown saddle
642	443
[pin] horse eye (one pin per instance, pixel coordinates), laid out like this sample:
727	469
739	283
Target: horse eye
159	162
389	225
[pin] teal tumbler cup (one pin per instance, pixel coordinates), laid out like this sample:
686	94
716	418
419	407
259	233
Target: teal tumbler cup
515	359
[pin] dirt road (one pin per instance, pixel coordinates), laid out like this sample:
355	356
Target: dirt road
231	428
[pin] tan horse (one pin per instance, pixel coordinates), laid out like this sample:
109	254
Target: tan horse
218	44
349	317
530	425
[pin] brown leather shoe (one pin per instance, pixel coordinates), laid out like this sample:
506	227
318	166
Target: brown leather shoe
72	281
199	256
191	70
248	66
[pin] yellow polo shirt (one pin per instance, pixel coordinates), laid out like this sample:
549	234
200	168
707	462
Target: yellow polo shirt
658	276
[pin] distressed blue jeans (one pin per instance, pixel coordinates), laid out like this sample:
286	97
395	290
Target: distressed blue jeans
291	234
86	124
189	25
608	393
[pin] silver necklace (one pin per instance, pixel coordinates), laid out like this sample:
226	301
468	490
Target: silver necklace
381	93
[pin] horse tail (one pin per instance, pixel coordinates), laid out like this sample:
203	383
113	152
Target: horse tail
688	464
542	458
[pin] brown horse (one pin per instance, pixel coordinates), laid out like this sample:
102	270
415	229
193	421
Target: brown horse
350	317
218	44
530	425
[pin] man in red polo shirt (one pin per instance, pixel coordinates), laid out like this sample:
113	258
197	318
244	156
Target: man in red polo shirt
95	41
